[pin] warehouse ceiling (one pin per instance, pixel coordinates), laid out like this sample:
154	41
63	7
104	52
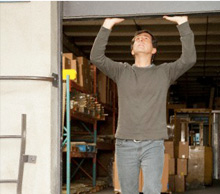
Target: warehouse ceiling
192	87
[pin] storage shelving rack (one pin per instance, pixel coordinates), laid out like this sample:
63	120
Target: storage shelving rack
70	114
206	118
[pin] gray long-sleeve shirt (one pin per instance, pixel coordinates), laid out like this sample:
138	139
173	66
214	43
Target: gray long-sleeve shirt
142	92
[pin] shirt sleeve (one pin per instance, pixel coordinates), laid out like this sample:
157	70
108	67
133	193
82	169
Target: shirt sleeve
109	67
188	56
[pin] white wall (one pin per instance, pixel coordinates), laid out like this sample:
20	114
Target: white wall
28	46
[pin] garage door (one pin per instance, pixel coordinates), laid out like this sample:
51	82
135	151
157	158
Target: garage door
77	10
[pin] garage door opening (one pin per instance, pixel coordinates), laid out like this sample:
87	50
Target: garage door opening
190	101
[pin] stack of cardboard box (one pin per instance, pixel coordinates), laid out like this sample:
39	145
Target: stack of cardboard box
105	89
177	167
182	167
84	73
69	62
82	67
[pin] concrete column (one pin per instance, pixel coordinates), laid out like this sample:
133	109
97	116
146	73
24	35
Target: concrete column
28	47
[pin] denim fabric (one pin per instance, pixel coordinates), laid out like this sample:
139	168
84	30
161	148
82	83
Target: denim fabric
131	156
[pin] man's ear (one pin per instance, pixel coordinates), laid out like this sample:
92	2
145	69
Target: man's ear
154	51
132	52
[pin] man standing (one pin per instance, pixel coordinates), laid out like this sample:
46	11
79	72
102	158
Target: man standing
142	92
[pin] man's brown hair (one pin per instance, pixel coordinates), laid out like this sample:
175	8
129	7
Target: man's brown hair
154	40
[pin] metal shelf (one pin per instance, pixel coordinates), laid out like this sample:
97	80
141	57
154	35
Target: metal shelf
70	114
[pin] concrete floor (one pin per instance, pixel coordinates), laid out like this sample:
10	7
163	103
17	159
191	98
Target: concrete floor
215	189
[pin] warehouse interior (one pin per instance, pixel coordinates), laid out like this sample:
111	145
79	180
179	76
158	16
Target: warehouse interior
193	105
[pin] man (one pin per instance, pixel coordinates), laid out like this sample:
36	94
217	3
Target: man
142	92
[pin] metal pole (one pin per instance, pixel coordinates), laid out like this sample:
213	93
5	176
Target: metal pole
210	130
68	159
59	177
53	78
215	145
22	152
10	136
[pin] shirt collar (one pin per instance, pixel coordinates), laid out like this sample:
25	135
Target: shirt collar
144	67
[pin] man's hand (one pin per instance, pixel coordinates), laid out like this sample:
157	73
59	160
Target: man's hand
110	22
177	19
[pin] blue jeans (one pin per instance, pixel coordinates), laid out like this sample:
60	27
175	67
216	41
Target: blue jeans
131	156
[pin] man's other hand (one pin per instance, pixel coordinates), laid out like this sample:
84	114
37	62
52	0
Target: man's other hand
110	22
177	19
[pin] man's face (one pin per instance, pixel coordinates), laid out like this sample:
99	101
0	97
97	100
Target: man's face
143	44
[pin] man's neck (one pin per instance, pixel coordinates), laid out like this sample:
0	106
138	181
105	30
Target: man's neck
143	60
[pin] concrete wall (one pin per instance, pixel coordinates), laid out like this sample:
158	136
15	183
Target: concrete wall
28	46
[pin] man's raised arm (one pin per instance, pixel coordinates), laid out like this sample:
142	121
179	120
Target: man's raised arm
188	56
97	56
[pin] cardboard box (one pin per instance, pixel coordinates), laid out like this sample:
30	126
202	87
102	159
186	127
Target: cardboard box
70	56
82	60
172	166
85	73
172	183
169	148
183	149
179	183
80	75
177	133
66	63
165	175
182	166
82	67
74	66
164	180
200	167
87	77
